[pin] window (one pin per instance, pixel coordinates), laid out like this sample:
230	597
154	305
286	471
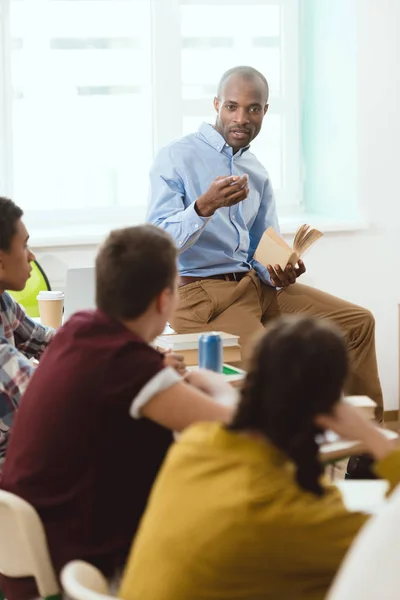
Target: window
253	34
91	89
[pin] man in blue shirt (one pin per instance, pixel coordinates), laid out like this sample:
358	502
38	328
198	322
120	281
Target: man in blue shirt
216	199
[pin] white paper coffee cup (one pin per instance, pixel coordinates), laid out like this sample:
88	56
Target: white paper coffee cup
51	306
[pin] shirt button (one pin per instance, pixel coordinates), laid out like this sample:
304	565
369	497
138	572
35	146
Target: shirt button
180	242
196	226
233	218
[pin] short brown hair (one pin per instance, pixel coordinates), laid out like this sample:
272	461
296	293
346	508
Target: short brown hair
10	214
133	266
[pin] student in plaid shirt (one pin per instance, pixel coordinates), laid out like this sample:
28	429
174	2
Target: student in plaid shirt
20	338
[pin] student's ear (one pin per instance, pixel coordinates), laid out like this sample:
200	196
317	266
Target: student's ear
266	107
216	104
164	301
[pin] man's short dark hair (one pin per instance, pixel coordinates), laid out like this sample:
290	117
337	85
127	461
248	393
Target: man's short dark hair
246	72
10	214
133	266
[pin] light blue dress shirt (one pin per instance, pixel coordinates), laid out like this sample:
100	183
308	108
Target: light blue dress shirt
226	241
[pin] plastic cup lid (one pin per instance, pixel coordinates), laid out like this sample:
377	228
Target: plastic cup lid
50	295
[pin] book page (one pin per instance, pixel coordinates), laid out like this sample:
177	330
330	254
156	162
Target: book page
305	238
293	259
277	238
269	252
311	237
300	233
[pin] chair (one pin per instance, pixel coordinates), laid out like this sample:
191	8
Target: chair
23	545
370	569
82	581
36	283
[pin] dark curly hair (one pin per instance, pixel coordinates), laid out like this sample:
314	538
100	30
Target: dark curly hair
10	214
298	371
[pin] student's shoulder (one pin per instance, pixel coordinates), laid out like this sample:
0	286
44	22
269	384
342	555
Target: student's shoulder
134	368
141	360
10	311
95	328
83	324
112	341
203	436
103	348
7	303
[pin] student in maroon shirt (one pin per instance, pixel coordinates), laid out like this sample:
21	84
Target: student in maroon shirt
96	420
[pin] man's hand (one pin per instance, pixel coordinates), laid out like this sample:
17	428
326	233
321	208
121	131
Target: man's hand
175	361
224	191
287	277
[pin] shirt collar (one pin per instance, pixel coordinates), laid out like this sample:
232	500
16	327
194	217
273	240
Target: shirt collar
215	139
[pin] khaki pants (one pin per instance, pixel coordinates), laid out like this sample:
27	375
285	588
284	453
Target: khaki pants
244	308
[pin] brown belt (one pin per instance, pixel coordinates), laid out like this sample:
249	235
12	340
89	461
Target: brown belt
185	279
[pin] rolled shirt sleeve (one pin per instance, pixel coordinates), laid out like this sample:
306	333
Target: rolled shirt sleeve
159	383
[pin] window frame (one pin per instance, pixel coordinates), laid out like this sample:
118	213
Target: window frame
167	115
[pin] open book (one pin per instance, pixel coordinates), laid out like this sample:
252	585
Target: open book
273	250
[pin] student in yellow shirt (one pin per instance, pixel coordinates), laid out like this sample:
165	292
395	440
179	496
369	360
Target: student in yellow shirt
241	512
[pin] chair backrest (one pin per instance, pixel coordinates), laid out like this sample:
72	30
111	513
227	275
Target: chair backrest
82	581
36	283
370	569
23	545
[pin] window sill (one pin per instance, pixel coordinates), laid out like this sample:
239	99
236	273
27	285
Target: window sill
290	224
69	235
94	234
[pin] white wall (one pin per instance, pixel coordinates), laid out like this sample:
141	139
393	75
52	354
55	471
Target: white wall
364	267
361	266
55	261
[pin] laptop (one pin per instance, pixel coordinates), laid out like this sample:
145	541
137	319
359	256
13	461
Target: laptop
80	291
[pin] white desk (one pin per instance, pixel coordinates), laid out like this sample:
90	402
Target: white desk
334	448
366	496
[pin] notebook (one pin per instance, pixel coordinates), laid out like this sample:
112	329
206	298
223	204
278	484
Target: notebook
190	341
